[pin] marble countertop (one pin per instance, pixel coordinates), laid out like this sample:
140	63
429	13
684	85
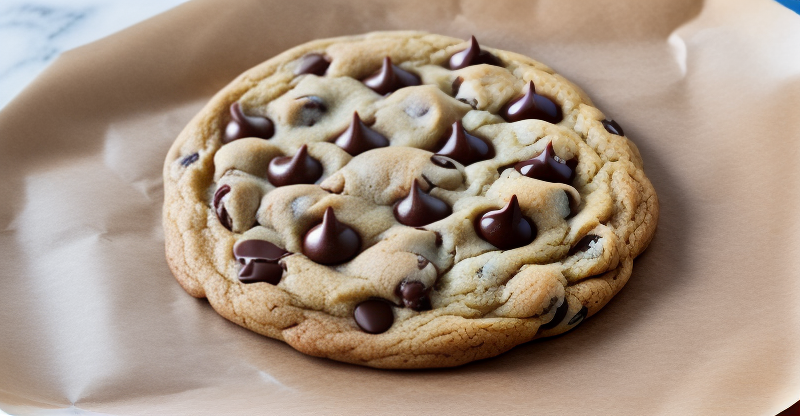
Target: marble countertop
34	33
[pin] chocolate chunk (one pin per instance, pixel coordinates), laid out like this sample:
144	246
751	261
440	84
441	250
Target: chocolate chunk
613	127
473	55
559	316
506	228
418	208
188	160
579	317
242	125
219	207
583	244
443	162
313	63
464	147
374	316
260	261
331	242
414	295
358	138
531	106
548	167
293	170
390	78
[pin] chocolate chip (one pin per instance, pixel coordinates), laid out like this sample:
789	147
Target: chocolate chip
473	55
464	147
313	63
311	111
613	127
443	162
358	138
506	228
417	110
188	160
531	106
472	102
222	191
260	261
456	85
559	316
414	295
583	244
331	242
418	208
390	78
579	317
548	167
293	170
374	316
242	125
219	207
422	262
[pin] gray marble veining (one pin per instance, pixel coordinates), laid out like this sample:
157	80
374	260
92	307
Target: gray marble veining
34	33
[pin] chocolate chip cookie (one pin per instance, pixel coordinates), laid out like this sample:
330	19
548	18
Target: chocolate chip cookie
404	200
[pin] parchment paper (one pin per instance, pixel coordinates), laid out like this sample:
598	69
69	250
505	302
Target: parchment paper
91	320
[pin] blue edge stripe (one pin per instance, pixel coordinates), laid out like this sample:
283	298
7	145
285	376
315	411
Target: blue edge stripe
793	5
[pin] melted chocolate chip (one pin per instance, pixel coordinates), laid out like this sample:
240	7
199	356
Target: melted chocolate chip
456	85
246	251
261	271
414	295
473	55
219	208
579	317
613	127
418	208
443	162
531	106
331	242
293	170
358	138
390	78
584	244
548	167
260	261
188	160
559	316
374	316
506	228
313	63
464	147
242	125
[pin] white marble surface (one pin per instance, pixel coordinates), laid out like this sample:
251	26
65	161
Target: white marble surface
34	33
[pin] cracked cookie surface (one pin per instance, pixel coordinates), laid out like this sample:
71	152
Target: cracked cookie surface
404	200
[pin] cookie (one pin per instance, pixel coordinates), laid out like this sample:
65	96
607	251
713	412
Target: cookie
404	200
